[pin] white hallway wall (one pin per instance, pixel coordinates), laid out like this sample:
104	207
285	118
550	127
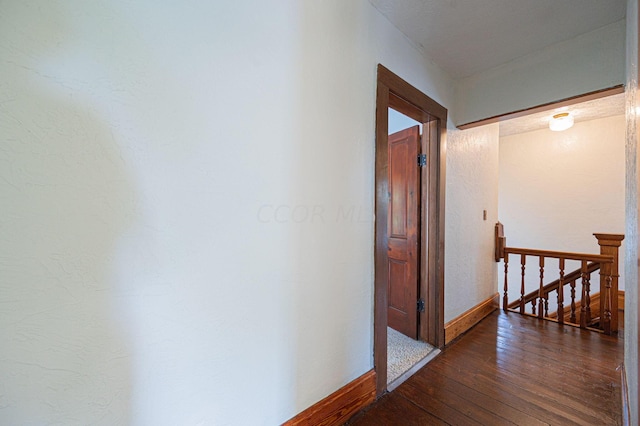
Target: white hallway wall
187	197
558	188
472	187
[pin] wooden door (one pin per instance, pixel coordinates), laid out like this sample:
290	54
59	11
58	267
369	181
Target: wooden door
403	230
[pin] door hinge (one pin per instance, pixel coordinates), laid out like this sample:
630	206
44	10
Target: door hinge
420	305
422	160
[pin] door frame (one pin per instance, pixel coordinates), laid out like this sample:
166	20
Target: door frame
394	92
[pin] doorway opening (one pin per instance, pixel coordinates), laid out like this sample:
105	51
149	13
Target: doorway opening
421	246
406	352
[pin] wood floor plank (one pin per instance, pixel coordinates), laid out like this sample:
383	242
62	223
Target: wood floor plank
437	406
462	411
512	369
534	394
430	379
541	392
392	409
566	380
507	395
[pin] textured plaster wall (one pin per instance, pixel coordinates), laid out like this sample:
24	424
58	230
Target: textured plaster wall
558	188
472	186
631	212
187	200
589	62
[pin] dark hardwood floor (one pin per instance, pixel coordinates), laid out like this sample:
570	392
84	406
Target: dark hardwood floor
511	369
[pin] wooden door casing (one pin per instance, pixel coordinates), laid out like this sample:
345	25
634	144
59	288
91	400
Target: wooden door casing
394	92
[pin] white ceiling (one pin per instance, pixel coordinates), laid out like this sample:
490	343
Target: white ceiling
584	111
468	37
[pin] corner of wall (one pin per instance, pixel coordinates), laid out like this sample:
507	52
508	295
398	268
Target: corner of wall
632	186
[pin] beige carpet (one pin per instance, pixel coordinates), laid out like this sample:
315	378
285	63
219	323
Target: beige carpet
403	353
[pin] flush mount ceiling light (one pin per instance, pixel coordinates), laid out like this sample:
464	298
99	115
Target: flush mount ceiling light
560	122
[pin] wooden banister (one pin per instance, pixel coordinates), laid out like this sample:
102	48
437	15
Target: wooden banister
553	286
606	261
600	258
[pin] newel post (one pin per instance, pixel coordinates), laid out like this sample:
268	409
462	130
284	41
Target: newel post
609	245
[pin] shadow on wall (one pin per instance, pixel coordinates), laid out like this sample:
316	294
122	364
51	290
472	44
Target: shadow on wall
64	194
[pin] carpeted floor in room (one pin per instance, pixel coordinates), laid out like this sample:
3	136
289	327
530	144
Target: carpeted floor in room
403	353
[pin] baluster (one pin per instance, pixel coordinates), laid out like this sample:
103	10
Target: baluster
505	299
523	261
561	292
606	323
572	316
588	299
541	290
585	300
546	305
533	306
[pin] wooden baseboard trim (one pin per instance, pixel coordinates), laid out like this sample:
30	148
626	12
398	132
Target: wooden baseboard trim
338	407
594	301
626	414
464	322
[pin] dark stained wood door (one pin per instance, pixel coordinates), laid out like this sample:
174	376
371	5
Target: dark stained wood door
403	230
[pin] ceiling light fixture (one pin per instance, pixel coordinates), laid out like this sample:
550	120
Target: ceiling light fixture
560	122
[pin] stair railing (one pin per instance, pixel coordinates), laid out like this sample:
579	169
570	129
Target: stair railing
536	303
